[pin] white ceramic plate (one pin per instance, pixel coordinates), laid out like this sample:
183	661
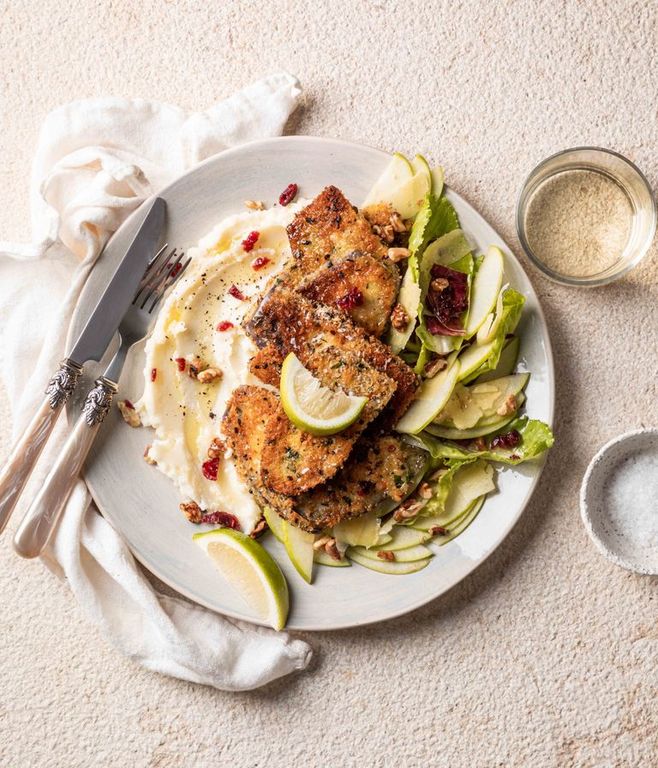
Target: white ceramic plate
143	504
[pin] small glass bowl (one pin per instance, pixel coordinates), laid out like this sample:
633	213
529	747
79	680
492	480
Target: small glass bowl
627	176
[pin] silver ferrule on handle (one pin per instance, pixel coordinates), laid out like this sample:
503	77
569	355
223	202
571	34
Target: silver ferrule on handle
23	457
43	515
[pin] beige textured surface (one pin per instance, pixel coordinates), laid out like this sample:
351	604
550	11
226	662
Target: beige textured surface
547	655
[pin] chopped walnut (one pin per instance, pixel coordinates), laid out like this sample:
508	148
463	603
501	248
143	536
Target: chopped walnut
260	528
425	491
147	456
508	407
387	555
332	550
208	375
255	205
438	530
408	509
216	449
439	284
397	222
434	366
320	543
192	511
479	444
194	365
397	254
130	415
399	318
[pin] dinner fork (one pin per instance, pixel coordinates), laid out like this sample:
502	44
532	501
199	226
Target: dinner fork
43	514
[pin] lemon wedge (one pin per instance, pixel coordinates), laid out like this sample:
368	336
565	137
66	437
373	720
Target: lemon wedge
251	570
312	407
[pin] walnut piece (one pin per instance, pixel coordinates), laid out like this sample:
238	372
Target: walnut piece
192	511
425	491
147	456
508	407
397	254
208	375
439	284
386	555
255	205
130	415
332	550
216	449
399	318
397	222
260	528
434	366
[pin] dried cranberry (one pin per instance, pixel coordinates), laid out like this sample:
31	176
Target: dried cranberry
447	305
175	269
210	469
353	298
250	240
181	363
260	262
129	405
225	325
288	194
509	440
237	293
225	519
154	374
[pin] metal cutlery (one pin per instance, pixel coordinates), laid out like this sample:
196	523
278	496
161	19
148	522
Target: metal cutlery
44	512
90	345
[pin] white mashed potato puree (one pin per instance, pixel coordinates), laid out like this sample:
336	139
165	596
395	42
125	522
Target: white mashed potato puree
186	413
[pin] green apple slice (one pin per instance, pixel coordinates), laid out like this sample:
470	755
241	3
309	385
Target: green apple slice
485	290
398	172
473	357
450	433
361	531
391	568
407	555
402	537
506	362
322	558
442	521
299	546
275	523
461	525
409	297
407	199
430	400
438	177
421	166
479	404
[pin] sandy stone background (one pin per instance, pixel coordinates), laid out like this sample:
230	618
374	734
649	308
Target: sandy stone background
547	655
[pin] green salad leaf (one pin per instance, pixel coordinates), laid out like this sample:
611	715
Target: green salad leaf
436	217
536	437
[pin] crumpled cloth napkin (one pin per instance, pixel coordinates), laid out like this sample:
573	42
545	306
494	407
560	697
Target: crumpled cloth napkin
96	161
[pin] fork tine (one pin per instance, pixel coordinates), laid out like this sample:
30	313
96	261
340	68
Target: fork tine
160	260
161	279
171	279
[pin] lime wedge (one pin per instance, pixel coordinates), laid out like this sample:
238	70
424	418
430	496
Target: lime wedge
312	407
251	570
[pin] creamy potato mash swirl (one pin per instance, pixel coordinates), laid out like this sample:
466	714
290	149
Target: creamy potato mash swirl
185	413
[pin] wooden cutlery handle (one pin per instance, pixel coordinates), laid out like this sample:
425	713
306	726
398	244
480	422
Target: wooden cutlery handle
18	467
44	512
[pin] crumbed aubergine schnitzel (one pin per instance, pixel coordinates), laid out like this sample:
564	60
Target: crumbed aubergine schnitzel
286	322
381	471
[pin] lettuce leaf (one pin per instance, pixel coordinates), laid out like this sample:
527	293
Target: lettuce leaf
536	437
435	218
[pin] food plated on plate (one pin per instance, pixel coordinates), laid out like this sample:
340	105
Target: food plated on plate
344	377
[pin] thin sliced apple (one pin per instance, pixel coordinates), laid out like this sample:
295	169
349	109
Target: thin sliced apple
409	297
506	363
461	525
361	531
450	433
437	180
299	546
407	555
430	400
485	290
398	172
407	199
322	558
402	537
386	566
276	524
473	357
420	165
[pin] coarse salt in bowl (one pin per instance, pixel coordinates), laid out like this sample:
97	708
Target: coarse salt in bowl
619	500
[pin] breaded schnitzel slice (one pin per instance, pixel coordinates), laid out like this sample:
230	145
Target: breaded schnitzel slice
294	461
381	471
287	322
359	285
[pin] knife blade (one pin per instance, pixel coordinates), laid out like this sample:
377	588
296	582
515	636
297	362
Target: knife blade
90	345
112	305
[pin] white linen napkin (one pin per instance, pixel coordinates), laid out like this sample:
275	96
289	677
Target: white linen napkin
96	161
